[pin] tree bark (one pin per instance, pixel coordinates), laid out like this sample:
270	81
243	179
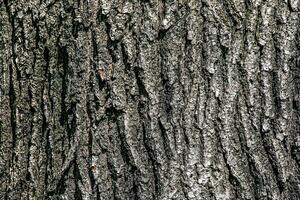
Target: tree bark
149	99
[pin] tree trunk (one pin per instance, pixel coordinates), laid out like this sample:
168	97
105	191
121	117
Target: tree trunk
150	99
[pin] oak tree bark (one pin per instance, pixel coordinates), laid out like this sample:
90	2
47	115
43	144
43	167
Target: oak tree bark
149	99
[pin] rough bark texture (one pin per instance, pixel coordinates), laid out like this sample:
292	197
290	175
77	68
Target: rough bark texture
152	99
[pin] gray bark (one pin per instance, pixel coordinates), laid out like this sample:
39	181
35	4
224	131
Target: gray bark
152	99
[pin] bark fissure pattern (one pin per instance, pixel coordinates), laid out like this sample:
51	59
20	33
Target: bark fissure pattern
156	99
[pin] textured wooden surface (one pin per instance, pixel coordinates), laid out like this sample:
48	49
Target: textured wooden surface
152	99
